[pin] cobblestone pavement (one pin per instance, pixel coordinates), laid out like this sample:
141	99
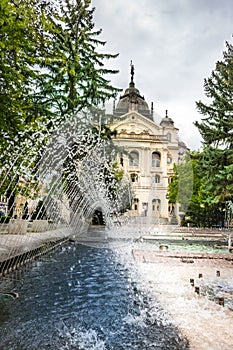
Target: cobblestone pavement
206	324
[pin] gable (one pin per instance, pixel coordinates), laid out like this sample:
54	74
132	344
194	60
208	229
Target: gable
134	122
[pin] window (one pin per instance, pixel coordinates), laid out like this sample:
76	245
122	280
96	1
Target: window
133	158
169	136
134	177
156	179
169	159
135	203
171	208
156	204
121	160
170	179
156	157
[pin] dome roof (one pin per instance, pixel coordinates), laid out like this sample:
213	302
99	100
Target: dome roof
167	121
132	101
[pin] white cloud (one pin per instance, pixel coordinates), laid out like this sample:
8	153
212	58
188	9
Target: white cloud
174	45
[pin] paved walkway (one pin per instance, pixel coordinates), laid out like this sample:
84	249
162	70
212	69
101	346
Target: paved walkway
207	325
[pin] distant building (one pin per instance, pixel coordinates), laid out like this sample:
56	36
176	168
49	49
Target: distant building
151	151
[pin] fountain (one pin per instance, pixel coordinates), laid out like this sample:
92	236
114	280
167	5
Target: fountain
137	290
64	183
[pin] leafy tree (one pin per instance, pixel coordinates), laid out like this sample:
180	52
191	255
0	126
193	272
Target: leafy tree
216	160
19	67
50	69
50	65
195	210
188	189
173	186
18	74
180	189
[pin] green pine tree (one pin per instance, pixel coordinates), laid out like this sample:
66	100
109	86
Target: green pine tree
216	129
73	66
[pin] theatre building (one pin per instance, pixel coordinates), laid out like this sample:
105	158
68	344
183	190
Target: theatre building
151	151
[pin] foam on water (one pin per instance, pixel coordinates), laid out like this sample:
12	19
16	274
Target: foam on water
82	339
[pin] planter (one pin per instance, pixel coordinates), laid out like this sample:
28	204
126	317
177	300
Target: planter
17	227
39	225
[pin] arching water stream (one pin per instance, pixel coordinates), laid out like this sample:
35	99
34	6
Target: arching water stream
82	297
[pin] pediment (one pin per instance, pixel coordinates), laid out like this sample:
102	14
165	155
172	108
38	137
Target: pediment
134	122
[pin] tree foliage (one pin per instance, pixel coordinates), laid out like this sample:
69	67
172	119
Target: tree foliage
217	131
214	165
51	66
16	64
73	70
212	168
180	188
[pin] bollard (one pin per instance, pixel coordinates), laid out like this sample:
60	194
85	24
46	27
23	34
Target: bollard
197	290
218	273
200	275
221	301
192	281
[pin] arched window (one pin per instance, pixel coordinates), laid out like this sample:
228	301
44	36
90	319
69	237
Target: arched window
156	179
156	157
156	203
169	159
133	158
170	179
134	177
169	136
171	208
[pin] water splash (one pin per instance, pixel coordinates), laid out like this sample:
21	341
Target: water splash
58	181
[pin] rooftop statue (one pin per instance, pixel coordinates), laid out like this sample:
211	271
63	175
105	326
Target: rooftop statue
132	71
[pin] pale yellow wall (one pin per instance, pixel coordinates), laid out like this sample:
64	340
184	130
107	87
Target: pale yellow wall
137	133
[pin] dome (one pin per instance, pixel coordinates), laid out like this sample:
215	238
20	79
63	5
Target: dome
132	101
167	121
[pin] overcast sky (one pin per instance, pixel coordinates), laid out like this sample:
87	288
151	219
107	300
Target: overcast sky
174	45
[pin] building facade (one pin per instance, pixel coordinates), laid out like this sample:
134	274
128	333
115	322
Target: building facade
151	149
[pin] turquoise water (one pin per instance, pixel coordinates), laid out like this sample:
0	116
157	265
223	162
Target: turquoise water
186	246
197	247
